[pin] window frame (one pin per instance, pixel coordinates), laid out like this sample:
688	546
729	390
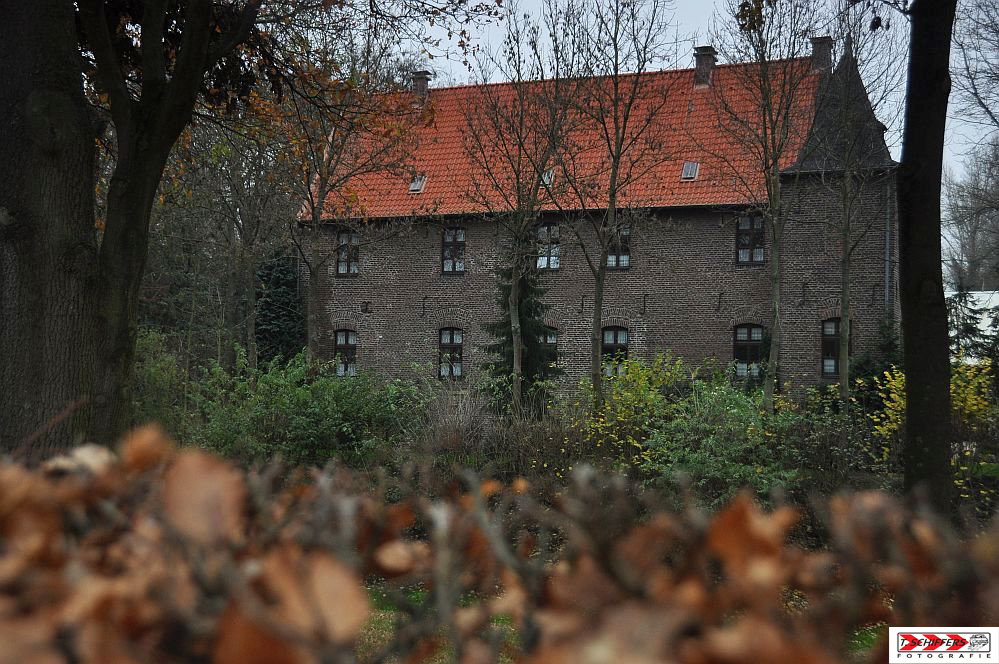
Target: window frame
683	171
345	352
613	354
548	238
456	247
620	246
756	232
834	341
450	349
417	184
348	253
748	347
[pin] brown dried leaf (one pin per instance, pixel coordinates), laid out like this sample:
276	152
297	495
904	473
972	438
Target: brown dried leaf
400	557
145	448
242	641
204	498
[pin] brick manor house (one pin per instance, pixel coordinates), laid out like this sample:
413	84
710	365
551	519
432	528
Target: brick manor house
690	277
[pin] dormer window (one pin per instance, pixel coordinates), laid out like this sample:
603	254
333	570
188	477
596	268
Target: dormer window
690	170
416	186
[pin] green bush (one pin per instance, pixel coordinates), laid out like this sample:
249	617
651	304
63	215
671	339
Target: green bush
159	384
717	440
304	413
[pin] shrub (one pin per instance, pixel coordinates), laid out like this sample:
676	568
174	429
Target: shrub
304	413
717	440
635	402
165	555
159	384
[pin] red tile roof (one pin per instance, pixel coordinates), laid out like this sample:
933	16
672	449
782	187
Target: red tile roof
690	126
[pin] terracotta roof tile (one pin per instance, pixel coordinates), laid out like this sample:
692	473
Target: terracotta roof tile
690	124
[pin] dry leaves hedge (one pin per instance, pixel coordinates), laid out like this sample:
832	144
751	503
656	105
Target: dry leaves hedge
160	554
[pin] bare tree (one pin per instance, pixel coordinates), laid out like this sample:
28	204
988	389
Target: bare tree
761	111
972	221
513	136
621	136
976	80
846	147
350	118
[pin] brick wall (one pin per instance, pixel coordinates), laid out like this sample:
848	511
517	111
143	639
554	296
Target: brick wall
683	293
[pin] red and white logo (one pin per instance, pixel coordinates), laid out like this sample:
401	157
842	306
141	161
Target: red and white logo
932	644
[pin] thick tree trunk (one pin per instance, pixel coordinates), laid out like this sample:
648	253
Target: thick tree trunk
516	333
48	242
121	266
927	447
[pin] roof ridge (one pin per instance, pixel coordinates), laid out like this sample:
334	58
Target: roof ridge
658	72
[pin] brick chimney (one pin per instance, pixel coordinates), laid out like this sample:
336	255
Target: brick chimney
704	64
421	84
822	53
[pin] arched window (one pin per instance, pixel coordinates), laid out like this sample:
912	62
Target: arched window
450	353
614	350
747	350
550	337
345	352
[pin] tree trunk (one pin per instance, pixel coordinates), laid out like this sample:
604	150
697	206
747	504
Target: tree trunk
771	378
927	445
121	265
313	305
232	292
516	333
250	307
596	365
48	242
844	299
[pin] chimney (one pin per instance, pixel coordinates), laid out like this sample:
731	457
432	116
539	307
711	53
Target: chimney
822	53
704	64
421	84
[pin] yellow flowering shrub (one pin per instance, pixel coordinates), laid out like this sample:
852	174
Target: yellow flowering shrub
974	465
970	395
634	401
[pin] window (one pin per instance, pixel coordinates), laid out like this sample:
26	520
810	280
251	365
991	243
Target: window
549	247
749	240
690	170
548	177
619	253
747	350
450	353
614	350
347	253
416	185
550	337
453	251
345	352
830	348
